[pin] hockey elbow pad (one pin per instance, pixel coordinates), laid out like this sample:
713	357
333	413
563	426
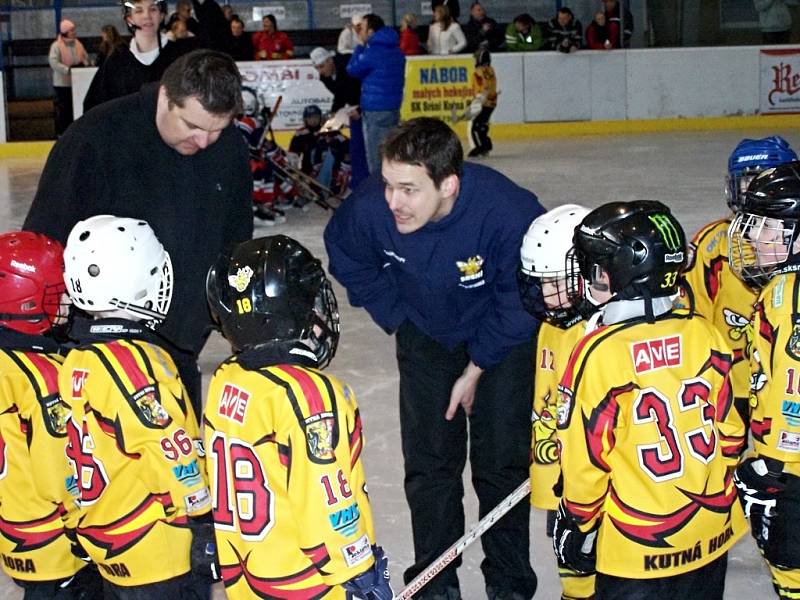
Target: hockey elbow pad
372	584
574	548
759	482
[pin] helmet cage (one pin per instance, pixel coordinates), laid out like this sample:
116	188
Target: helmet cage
736	186
545	296
759	245
324	332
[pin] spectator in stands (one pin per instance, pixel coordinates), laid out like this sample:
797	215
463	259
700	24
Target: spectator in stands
482	29
524	34
452	5
240	46
409	38
227	10
183	12
110	40
346	90
178	30
348	38
270	43
618	20
564	32
380	65
151	51
65	52
775	20
597	33
445	35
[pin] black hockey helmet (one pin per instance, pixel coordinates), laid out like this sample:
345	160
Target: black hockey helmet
639	244
273	290
766	224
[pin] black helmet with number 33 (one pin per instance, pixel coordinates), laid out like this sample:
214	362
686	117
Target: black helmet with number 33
639	244
272	290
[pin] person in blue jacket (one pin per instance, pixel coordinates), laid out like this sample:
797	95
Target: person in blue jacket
380	65
435	264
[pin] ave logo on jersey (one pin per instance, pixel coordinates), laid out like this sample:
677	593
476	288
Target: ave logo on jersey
656	354
233	403
78	379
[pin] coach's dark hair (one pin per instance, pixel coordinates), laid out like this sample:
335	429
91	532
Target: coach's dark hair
374	22
426	142
210	77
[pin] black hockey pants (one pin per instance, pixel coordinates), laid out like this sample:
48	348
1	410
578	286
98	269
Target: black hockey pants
435	452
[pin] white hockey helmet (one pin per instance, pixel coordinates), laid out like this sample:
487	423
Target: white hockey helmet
249	101
115	263
543	255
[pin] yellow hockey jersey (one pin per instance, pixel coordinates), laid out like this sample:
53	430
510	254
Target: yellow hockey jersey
35	500
553	348
647	432
133	441
291	511
722	298
775	362
485	82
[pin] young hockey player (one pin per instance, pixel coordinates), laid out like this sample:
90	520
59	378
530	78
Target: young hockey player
133	439
485	86
37	511
543	289
765	252
709	285
646	426
322	152
284	440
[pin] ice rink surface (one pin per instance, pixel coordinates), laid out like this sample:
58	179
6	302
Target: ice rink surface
684	170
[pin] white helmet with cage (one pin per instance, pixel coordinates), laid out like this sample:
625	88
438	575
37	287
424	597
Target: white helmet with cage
543	260
118	264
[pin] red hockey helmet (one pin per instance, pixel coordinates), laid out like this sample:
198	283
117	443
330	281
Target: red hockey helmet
31	281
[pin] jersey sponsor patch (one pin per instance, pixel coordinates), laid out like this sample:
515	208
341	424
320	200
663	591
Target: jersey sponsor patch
791	412
233	403
150	408
78	379
345	520
660	353
777	292
58	413
188	475
789	441
357	552
197	501
319	436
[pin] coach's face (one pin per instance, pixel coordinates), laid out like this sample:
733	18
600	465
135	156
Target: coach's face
412	196
190	128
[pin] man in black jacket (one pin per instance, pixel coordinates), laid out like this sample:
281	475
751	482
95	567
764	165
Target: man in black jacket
332	69
482	29
168	155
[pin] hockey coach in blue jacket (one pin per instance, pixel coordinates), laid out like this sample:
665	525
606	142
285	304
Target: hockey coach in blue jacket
430	248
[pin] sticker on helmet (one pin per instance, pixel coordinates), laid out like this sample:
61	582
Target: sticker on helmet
241	280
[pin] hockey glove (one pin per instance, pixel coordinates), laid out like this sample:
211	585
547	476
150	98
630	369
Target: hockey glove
759	482
574	548
372	584
203	558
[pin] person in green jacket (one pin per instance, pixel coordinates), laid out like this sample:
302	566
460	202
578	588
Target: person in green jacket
523	34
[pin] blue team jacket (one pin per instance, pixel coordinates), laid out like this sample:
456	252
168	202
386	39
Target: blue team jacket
454	279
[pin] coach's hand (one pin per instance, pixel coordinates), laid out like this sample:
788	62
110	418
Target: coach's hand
463	393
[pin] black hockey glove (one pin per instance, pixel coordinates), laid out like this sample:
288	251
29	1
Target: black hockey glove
574	549
759	482
203	558
372	584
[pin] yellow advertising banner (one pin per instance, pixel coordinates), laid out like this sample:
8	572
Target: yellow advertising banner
437	86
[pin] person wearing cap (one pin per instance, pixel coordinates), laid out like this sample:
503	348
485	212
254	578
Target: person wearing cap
348	38
346	90
65	52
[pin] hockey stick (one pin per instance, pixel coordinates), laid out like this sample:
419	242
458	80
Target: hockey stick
460	545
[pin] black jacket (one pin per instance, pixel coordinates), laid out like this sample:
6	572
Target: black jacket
113	161
475	34
563	38
345	89
240	48
122	74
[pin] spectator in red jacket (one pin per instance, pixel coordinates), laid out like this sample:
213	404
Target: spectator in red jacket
409	39
271	44
618	18
597	33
